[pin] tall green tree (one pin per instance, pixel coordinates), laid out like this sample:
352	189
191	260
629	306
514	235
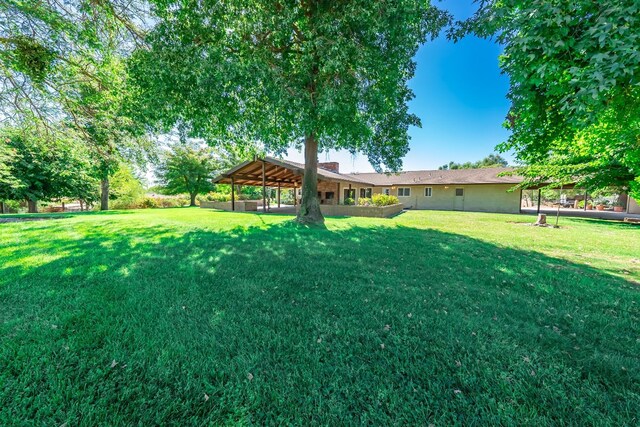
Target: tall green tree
187	168
315	74
491	161
574	68
46	168
97	109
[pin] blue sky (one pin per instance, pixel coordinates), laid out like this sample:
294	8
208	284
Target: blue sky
460	96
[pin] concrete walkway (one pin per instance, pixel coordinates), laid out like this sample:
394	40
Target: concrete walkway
283	209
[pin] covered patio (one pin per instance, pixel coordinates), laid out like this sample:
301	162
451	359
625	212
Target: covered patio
269	172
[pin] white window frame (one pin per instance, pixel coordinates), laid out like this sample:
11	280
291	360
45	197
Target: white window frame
405	193
456	192
428	190
386	191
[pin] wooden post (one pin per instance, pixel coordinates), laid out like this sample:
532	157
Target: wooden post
264	189
1	207
233	195
539	197
338	195
279	195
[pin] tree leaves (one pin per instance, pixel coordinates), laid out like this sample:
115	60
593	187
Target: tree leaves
574	69
277	72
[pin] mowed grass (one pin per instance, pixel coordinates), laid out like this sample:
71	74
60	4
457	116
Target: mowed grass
198	317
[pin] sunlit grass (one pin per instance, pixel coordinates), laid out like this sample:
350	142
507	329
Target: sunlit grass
198	317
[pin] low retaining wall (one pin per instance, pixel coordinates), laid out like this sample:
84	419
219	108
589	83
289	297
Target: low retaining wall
241	205
366	211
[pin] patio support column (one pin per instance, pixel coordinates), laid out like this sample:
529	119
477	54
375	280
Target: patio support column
233	195
539	196
628	202
264	189
278	194
338	195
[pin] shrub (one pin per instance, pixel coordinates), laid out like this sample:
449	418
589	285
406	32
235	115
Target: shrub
13	206
149	203
217	197
364	201
172	202
384	200
581	204
349	201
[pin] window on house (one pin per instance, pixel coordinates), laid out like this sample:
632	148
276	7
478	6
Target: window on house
365	192
459	192
349	193
428	191
404	192
329	195
386	191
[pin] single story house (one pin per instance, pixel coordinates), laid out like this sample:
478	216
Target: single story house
462	189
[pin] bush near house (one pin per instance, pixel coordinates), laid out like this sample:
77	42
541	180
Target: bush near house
378	200
384	200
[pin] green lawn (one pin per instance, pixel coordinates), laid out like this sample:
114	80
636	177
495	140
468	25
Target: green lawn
197	317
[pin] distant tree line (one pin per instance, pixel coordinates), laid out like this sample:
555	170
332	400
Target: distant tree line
491	161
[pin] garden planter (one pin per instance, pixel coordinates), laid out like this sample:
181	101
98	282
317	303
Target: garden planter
618	209
600	207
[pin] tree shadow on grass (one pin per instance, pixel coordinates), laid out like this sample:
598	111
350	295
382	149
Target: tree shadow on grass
283	324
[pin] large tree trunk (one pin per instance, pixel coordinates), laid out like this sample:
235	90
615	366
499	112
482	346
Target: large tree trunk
104	194
193	199
32	206
309	212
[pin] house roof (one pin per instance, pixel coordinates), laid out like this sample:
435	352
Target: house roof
443	177
289	174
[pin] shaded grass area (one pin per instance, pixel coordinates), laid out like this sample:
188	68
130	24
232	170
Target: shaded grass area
197	317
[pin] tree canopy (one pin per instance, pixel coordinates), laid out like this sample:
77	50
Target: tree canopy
574	69
312	74
491	161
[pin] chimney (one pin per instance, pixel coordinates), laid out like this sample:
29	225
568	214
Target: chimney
330	166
